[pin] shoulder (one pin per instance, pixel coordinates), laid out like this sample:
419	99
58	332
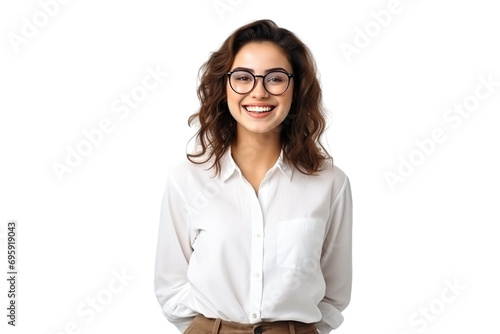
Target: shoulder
332	177
184	172
330	171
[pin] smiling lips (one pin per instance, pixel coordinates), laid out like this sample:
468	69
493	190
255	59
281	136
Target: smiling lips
259	109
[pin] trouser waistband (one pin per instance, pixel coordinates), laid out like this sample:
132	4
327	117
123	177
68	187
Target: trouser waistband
202	324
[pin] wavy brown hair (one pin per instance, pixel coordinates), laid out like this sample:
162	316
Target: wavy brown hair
300	132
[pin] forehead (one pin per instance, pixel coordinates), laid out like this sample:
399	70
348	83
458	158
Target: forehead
261	56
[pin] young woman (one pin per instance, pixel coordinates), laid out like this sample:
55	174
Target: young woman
256	227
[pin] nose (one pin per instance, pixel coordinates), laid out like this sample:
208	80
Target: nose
259	91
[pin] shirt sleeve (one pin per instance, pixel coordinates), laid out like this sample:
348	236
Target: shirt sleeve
171	285
336	262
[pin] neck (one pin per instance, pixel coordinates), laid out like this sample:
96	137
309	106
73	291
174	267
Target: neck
258	150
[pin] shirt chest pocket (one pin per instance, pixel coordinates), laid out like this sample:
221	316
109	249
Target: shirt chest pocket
299	243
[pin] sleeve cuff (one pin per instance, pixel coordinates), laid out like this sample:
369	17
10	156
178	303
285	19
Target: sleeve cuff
331	318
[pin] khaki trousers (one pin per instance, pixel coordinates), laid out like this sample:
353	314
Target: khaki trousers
202	325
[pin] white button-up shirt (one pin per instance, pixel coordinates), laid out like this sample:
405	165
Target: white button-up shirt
281	254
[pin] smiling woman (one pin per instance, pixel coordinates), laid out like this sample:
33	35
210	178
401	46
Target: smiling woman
270	248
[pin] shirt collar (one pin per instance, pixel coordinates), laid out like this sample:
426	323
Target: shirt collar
229	166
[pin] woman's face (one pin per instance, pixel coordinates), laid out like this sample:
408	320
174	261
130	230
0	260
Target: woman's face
259	58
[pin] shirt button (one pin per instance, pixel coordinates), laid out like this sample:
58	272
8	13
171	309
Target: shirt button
254	315
258	235
257	275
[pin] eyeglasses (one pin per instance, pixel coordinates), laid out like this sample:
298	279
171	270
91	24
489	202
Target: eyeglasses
275	83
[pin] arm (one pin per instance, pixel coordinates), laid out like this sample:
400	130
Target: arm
336	261
171	285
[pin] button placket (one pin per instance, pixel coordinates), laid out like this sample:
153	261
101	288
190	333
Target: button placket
257	252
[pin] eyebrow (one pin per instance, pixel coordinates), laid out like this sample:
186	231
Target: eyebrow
252	71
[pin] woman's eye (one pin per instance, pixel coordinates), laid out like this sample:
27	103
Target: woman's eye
275	80
244	78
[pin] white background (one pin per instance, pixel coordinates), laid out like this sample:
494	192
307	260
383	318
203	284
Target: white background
438	226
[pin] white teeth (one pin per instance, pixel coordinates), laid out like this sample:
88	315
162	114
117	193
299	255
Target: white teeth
258	109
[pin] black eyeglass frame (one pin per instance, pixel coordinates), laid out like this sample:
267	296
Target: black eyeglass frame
290	76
